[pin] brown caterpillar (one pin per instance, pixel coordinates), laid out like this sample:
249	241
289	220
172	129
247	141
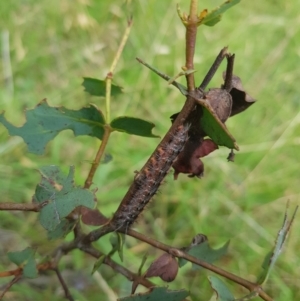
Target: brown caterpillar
148	180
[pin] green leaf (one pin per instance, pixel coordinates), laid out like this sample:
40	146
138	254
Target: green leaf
158	293
214	127
273	255
215	15
222	291
25	260
133	126
97	87
117	242
204	252
98	263
60	197
45	122
62	229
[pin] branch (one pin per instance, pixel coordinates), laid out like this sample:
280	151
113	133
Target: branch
64	285
107	128
213	69
10	284
118	268
20	206
190	40
100	152
181	254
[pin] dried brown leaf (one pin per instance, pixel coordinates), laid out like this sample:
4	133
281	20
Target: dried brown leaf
92	217
165	267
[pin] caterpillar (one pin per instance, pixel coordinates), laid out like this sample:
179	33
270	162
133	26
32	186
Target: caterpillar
149	178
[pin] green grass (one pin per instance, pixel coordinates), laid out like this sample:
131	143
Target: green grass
52	45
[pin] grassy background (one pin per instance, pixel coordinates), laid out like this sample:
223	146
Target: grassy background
47	47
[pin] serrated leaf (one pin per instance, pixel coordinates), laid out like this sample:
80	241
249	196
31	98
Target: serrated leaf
204	252
97	87
133	126
60	197
45	122
25	260
214	127
158	293
273	255
215	15
222	291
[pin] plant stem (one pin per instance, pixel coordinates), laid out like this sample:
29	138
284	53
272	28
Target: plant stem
100	153
213	69
107	128
21	207
180	254
109	76
64	285
191	35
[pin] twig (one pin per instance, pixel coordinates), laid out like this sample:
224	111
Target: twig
10	284
89	180
20	206
107	129
213	69
87	248
15	272
109	76
229	72
191	35
180	254
118	268
64	285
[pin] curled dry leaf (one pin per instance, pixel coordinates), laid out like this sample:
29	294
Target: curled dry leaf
221	102
224	104
165	267
188	161
240	99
